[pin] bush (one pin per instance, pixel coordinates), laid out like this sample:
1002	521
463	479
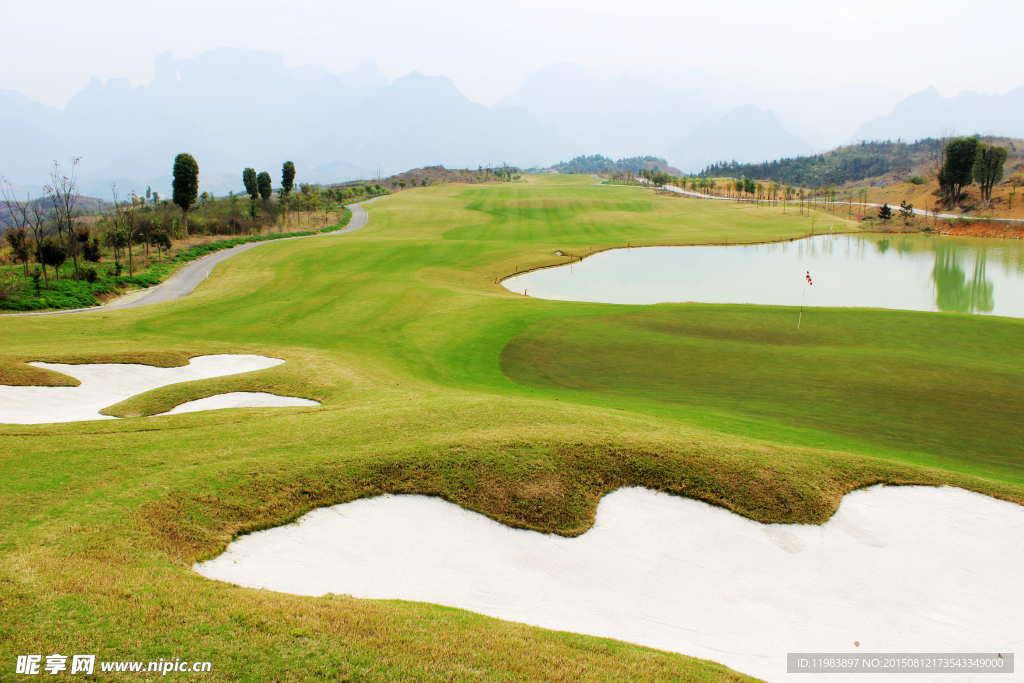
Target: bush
64	294
917	180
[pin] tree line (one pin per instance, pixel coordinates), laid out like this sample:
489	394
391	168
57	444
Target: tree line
841	165
66	241
596	163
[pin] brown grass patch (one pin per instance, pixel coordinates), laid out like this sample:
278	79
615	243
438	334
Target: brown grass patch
549	487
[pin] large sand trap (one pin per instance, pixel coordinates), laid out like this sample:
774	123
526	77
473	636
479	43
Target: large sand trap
899	569
241	399
104	384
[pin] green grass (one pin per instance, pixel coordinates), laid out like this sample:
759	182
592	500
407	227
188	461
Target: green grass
945	389
400	330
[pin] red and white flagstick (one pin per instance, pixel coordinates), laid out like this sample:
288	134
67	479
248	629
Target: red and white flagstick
807	281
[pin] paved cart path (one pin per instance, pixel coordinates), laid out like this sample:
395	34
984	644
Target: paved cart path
189	276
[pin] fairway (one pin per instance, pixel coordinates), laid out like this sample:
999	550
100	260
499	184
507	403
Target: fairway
436	380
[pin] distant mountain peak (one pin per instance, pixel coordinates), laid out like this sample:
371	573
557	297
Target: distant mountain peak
928	114
366	75
745	134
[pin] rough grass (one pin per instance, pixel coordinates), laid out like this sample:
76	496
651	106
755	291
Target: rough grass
543	484
399	328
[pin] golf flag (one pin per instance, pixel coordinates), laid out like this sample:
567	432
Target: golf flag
808	276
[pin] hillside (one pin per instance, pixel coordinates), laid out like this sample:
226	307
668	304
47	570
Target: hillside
1007	198
889	172
841	165
602	164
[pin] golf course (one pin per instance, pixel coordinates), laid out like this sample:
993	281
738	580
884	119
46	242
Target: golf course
434	379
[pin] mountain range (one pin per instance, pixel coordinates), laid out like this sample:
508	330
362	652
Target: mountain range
235	107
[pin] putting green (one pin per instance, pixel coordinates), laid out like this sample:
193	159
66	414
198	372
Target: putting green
926	389
401	332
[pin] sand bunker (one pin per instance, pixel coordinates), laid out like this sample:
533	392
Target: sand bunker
105	384
898	569
241	399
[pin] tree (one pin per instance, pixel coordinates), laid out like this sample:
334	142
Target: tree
18	221
162	241
82	237
988	168
885	213
253	213
64	196
250	182
958	170
185	188
17	241
906	211
749	186
265	185
52	253
91	251
287	177
125	224
37	224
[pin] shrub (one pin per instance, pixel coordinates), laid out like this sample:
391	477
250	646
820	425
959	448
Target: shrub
91	251
917	180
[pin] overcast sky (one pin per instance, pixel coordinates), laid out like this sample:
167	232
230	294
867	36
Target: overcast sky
48	50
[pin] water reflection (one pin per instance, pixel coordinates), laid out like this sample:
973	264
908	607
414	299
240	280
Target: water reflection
911	272
953	291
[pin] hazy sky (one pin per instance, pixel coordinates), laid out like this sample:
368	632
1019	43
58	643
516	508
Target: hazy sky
48	50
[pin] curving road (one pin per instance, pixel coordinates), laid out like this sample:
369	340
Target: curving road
919	212
192	274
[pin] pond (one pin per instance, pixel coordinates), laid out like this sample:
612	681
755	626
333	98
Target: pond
908	272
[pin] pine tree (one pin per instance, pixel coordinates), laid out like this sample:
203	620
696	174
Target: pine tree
287	177
185	187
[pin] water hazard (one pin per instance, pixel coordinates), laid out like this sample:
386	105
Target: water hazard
908	272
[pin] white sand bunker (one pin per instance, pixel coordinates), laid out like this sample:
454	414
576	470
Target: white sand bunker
241	399
105	384
899	569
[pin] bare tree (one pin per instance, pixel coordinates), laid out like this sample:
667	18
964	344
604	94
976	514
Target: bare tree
28	215
17	218
63	194
125	222
37	224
